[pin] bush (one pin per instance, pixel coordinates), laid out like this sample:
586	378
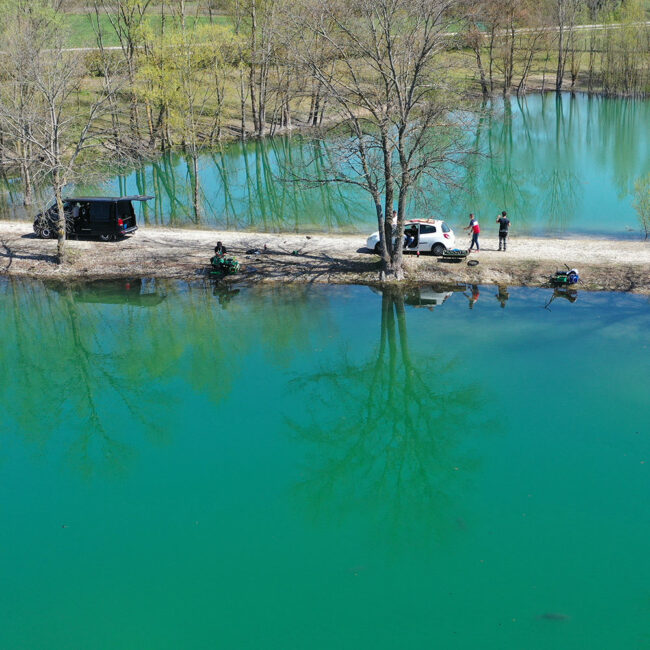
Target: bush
95	63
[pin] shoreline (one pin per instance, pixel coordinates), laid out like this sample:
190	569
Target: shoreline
604	264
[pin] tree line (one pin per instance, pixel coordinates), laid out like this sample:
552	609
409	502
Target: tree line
593	45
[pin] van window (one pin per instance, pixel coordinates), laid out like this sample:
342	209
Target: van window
101	211
426	229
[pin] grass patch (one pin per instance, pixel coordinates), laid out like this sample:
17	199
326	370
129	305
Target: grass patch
81	32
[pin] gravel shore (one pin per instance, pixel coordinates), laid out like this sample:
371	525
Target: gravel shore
604	264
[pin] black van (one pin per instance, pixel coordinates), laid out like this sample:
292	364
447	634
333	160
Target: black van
106	217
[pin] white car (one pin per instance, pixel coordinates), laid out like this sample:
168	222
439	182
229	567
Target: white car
431	235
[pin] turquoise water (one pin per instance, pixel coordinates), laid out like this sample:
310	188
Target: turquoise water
322	467
557	165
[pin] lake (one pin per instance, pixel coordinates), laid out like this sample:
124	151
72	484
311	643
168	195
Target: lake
193	466
559	165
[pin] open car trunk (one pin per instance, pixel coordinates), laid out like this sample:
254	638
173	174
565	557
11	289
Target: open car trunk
126	214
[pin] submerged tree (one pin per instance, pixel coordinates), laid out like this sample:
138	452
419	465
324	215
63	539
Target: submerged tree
391	96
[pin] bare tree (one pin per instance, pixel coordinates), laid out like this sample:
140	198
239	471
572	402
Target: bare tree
56	127
113	79
566	13
391	97
238	13
127	18
475	40
495	36
24	29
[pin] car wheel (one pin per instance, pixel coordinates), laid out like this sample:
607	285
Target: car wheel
438	249
45	233
106	237
377	248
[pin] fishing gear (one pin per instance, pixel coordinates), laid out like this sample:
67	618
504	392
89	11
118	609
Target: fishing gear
564	278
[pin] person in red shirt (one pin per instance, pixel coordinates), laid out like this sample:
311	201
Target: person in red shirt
475	229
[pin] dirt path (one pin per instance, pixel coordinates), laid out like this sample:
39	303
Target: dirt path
604	264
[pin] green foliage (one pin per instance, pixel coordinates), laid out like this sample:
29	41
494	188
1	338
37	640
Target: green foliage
181	77
96	64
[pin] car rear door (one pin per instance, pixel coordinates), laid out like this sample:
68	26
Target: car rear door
125	217
141	198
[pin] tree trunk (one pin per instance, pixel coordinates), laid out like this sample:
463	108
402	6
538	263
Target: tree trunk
253	94
510	67
61	225
559	75
242	101
27	183
592	57
389	193
134	117
252	77
491	58
481	70
195	185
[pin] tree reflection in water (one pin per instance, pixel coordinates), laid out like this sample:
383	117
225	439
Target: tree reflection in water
70	373
390	442
104	370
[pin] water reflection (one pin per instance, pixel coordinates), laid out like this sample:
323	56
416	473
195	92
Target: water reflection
248	186
565	163
224	292
137	292
472	294
502	295
543	153
426	296
562	292
99	370
558	163
391	444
